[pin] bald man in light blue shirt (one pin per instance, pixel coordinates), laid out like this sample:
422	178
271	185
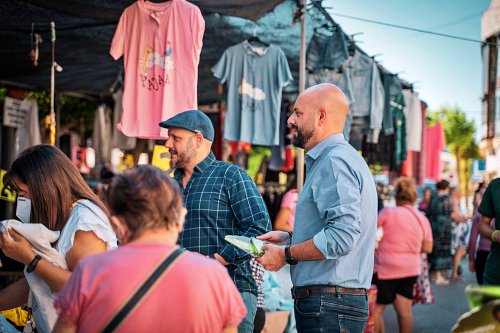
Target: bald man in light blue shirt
332	248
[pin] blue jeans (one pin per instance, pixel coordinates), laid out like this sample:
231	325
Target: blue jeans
331	313
250	300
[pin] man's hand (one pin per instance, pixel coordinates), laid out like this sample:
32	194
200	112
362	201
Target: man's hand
16	247
276	237
274	258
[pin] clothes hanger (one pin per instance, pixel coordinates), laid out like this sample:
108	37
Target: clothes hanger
254	38
352	44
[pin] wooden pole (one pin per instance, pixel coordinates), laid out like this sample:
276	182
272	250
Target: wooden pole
302	85
52	125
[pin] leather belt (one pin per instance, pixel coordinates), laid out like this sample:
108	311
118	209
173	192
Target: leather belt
302	292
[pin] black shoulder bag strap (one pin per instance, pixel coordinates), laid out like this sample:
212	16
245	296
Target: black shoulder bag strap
125	310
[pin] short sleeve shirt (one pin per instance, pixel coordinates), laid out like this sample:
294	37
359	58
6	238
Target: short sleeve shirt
398	253
195	294
86	216
161	45
490	207
255	79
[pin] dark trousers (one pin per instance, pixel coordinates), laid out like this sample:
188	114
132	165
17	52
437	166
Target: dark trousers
480	264
259	321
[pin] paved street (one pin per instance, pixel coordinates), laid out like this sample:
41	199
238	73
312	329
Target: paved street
440	316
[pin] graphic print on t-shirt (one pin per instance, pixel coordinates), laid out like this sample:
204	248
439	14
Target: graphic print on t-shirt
254	92
150	59
251	97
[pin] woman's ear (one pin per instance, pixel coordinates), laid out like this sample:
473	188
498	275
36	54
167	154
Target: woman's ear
120	228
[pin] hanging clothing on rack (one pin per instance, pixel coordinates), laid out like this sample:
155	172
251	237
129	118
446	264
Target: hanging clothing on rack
255	76
368	94
400	130
120	140
161	44
102	135
278	153
437	143
326	51
29	133
392	88
340	77
419	157
413	112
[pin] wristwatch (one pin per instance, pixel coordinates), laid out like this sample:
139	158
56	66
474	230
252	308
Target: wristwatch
288	256
33	263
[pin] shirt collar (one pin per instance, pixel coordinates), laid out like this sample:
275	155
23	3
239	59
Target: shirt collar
253	50
317	150
199	168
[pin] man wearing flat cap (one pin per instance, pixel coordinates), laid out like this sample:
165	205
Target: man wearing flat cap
221	199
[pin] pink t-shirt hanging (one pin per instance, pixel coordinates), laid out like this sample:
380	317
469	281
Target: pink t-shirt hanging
435	135
161	44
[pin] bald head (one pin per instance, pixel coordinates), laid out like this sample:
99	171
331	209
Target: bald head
323	109
329	97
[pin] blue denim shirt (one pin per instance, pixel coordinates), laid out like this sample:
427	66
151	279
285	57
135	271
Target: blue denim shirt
337	208
222	199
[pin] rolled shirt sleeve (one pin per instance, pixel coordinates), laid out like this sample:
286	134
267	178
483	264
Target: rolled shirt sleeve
339	202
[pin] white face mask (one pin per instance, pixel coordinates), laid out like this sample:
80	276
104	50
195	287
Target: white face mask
23	210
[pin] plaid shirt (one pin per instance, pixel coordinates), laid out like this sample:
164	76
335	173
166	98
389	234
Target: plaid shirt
221	199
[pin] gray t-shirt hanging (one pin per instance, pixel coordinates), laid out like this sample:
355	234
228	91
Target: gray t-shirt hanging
255	79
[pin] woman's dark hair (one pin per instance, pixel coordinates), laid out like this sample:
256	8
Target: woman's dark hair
145	197
406	192
443	184
54	184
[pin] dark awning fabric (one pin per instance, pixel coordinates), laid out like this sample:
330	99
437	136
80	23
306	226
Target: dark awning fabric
85	29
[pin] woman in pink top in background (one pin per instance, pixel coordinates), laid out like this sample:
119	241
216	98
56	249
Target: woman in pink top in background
406	234
286	215
195	294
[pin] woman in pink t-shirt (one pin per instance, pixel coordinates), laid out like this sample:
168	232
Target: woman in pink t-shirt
406	234
286	215
195	294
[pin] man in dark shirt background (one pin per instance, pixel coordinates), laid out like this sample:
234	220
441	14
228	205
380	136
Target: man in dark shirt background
490	209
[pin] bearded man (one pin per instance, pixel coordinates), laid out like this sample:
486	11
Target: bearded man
331	250
221	199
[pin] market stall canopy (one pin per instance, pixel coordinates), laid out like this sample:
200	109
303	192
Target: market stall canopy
490	22
85	29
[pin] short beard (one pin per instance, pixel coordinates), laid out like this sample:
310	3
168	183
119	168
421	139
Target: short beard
183	159
302	138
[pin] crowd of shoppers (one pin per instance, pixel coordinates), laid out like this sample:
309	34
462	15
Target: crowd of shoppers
327	235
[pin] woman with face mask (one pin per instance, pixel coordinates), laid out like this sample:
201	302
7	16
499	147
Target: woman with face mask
194	294
51	192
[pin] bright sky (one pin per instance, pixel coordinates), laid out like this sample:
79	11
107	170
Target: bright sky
446	72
